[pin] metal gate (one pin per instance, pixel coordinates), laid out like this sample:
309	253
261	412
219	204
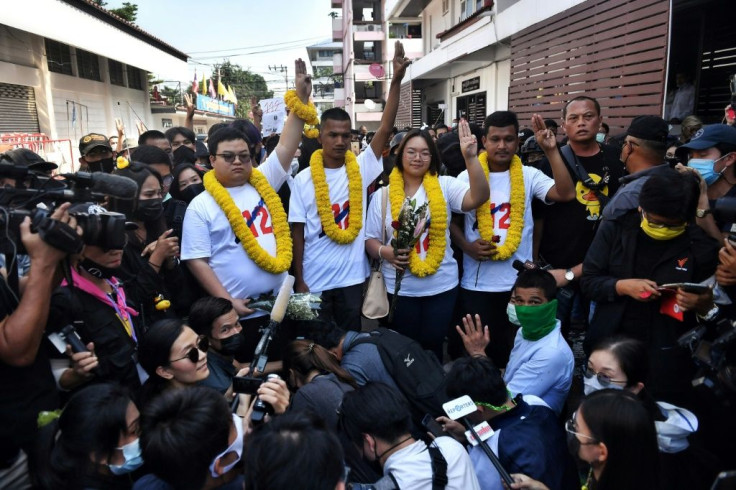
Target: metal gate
18	109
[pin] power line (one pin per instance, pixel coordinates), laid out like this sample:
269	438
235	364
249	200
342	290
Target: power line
257	46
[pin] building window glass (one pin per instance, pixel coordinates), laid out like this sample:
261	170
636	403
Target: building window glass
325	53
445	6
167	123
116	73
58	57
135	78
88	65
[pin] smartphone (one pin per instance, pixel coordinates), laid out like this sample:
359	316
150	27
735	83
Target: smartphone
432	426
355	147
246	384
688	287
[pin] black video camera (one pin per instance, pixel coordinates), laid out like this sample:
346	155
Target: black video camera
714	352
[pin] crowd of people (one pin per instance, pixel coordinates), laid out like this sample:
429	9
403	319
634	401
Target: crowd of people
128	329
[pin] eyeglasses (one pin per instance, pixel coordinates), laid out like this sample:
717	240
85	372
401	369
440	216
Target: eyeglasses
571	428
230	157
203	345
424	155
603	379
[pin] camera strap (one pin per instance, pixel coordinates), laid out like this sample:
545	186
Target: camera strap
439	467
582	175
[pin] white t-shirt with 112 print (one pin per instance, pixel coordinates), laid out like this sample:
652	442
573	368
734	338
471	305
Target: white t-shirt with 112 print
329	265
207	235
495	275
446	276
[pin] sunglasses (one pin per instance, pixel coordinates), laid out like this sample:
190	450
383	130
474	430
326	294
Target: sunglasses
203	345
603	379
230	157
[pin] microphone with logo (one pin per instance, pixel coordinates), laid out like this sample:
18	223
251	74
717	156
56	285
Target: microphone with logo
459	409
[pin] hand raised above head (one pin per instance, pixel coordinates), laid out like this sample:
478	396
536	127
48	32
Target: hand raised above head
400	61
545	137
302	81
468	141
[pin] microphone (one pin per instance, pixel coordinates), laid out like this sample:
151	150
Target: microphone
112	185
13	171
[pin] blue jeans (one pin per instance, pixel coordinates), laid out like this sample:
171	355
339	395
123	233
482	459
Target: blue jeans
425	319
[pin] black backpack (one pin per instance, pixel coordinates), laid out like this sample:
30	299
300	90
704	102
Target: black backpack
416	372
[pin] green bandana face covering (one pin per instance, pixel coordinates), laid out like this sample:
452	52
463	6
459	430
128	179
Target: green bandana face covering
537	321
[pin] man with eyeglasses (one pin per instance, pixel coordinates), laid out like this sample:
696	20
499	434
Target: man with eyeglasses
567	229
630	260
210	247
642	154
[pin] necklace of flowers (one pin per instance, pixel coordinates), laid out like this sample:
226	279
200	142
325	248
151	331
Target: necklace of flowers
324	205
264	260
305	112
517	202
437	221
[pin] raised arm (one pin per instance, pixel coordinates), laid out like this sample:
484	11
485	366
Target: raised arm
291	136
400	62
564	188
479	190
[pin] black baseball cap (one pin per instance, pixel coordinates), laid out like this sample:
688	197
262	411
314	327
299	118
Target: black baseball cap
650	128
90	141
27	158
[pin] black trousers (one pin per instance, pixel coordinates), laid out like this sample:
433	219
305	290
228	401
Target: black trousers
342	306
492	310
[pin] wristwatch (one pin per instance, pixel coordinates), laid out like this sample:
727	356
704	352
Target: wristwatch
711	314
702	213
569	275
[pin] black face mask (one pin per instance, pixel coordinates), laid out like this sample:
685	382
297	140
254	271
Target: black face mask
105	165
184	154
235	346
149	210
573	445
95	269
191	191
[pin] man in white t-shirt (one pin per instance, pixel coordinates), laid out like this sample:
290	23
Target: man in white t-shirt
322	265
486	283
376	419
210	248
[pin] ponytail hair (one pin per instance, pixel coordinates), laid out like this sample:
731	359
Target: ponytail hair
305	356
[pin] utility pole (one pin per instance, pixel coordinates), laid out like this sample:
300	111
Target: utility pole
283	69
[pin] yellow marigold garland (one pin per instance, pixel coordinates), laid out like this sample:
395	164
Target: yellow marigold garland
437	221
264	260
324	205
305	112
518	205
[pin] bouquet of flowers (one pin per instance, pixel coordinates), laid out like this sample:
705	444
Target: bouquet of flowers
408	228
301	306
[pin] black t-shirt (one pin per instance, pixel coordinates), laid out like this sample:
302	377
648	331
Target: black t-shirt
569	227
725	223
24	391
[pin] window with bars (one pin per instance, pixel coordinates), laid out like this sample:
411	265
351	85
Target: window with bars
116	72
88	65
58	57
135	77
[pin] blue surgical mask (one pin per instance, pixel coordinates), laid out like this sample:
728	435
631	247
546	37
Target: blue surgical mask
511	313
133	459
705	168
600	137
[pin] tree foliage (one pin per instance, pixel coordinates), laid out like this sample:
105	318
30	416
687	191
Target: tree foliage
244	83
129	11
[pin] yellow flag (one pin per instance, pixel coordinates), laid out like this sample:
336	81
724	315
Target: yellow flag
221	88
204	85
233	97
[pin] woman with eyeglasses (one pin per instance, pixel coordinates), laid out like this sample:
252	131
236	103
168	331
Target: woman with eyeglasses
174	356
94	444
150	262
427	293
613	433
621	363
94	301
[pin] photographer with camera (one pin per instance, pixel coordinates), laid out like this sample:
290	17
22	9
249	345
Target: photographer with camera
25	375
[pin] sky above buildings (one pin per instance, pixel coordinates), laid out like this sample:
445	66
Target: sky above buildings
254	34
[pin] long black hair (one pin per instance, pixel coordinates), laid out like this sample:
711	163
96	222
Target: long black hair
617	419
139	172
91	424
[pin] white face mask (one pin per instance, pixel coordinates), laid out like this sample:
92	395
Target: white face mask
592	384
294	166
511	313
236	447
